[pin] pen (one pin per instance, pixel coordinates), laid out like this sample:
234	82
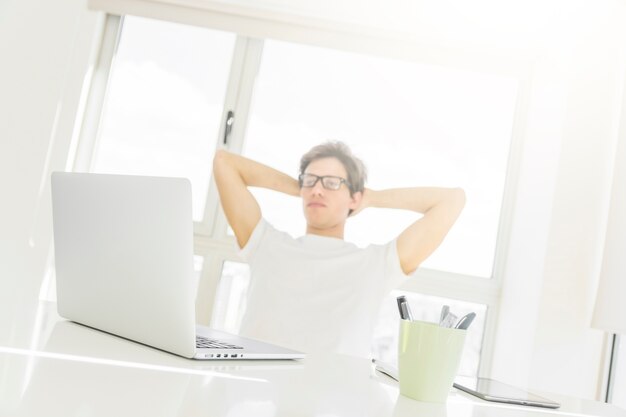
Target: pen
403	307
465	321
444	312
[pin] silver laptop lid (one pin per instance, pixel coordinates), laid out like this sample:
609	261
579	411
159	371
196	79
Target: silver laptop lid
109	254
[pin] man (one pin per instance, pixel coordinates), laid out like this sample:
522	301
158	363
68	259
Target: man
319	293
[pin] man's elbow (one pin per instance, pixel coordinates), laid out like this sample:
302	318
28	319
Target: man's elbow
457	200
459	196
220	160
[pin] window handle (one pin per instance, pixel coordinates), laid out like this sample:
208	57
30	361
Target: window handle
230	119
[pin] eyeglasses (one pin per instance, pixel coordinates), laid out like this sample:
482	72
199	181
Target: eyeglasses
329	182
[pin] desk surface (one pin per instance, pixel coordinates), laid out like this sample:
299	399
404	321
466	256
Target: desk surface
70	370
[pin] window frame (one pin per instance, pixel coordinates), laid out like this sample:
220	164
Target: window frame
210	235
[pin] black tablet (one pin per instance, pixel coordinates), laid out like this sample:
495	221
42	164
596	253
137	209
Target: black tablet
492	390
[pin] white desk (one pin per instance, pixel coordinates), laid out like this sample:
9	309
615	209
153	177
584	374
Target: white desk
69	370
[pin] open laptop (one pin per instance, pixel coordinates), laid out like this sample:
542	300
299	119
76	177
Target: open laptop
124	265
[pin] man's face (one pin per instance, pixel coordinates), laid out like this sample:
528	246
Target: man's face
323	208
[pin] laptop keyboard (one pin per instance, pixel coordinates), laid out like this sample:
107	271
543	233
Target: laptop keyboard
206	343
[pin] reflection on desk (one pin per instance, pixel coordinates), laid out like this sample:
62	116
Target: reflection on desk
72	370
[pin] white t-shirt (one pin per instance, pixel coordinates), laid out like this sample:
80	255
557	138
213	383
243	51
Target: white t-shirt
315	293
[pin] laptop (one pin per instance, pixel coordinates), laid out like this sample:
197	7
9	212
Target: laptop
124	265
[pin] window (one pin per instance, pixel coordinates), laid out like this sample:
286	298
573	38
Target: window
412	124
171	86
164	103
230	301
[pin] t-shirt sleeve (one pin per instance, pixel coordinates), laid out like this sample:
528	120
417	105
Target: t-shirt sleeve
394	275
259	233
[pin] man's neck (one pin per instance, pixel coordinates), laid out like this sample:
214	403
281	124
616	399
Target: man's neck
336	231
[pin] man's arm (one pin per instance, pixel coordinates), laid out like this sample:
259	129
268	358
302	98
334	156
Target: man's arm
440	206
233	175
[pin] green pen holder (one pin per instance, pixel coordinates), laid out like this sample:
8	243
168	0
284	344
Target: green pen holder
428	359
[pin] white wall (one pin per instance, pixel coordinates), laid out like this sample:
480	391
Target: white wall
581	201
45	48
557	233
553	271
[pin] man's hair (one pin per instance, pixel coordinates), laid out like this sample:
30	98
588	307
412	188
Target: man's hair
357	173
